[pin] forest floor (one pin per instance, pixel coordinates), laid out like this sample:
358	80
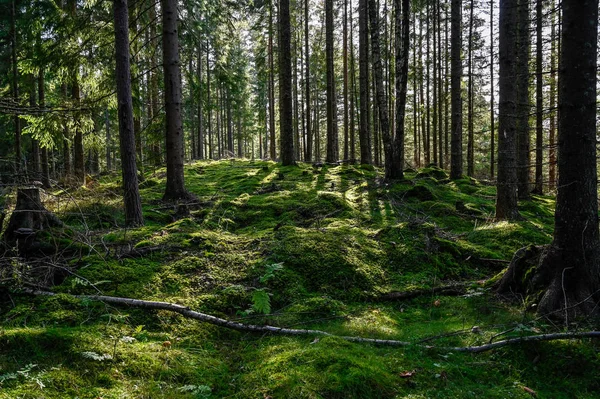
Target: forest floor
299	247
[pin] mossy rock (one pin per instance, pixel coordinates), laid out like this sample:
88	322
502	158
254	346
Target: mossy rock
435	172
421	193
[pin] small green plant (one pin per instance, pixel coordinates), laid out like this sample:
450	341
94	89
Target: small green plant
261	302
199	391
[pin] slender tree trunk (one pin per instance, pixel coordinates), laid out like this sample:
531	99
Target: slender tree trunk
506	197
131	194
456	167
434	132
552	132
523	106
345	60
363	48
175	188
285	85
78	151
309	136
272	139
492	105
447	96
440	100
332	127
382	106
35	145
297	50
539	104
352	157
15	87
200	140
42	101
154	102
416	153
427	141
470	128
401	51
211	153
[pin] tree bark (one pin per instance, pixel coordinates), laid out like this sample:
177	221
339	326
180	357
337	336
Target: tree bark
402	29
175	188
382	105
332	127
363	59
285	85
492	105
552	132
506	195
523	106
573	260
456	167
539	104
131	194
272	139
470	124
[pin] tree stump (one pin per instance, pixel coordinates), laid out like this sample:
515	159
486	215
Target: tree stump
28	218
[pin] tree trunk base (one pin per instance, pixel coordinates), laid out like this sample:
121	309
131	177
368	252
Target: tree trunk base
27	220
550	281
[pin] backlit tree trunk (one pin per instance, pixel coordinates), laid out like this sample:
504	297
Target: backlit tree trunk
131	194
456	170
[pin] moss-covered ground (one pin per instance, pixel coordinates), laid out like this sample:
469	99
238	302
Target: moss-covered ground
301	247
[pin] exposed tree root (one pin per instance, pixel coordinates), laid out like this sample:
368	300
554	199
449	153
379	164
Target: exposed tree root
187	312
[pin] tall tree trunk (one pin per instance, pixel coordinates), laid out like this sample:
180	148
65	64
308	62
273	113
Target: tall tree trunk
78	151
506	195
211	153
574	255
297	146
309	135
285	85
492	105
67	164
345	61
154	103
539	104
15	87
272	139
175	188
363	57
470	127
352	157
456	167
447	96
42	101
568	272
440	91
332	126
416	152
131	194
434	84
200	140
552	132
382	106
522	78
427	113
401	51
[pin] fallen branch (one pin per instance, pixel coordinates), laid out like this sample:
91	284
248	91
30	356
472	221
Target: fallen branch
187	312
448	290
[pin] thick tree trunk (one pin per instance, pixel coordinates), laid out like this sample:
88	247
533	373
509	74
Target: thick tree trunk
523	106
131	194
363	57
28	218
569	269
285	85
456	167
175	188
506	196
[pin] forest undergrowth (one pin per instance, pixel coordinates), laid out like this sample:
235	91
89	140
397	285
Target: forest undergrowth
301	247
